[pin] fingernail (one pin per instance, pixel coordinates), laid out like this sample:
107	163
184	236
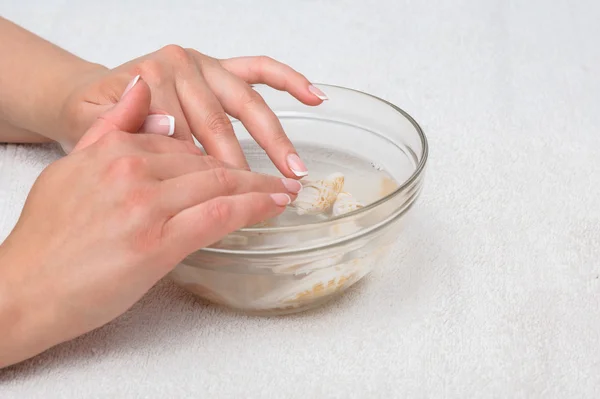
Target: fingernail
159	124
296	165
130	85
281	199
293	186
317	92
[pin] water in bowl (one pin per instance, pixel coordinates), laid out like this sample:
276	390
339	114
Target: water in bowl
365	179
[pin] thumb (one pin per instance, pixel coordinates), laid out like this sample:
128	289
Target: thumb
127	115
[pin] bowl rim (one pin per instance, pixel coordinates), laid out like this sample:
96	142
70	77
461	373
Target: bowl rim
321	223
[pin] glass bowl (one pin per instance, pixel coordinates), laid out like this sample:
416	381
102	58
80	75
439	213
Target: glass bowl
290	264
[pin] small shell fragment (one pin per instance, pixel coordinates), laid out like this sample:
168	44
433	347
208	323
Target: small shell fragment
316	284
345	203
318	196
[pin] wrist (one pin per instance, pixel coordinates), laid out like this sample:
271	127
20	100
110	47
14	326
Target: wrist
40	105
36	81
22	316
63	124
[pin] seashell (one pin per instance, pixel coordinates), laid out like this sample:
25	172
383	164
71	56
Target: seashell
318	196
313	286
345	203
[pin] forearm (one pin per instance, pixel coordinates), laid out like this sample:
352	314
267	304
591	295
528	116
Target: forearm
11	317
23	318
11	134
35	79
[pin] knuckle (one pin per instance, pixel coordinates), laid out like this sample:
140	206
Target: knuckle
176	54
264	59
127	166
152	71
277	141
225	179
220	211
280	140
251	99
138	198
146	238
201	59
218	123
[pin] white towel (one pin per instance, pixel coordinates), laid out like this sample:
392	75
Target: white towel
495	288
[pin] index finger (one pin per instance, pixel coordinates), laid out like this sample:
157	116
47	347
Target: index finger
207	118
245	104
206	223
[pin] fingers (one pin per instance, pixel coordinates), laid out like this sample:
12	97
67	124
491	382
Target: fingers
243	103
207	119
275	74
193	188
157	70
204	224
127	115
174	124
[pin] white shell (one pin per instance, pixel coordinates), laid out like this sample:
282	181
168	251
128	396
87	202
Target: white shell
318	284
308	283
345	203
318	196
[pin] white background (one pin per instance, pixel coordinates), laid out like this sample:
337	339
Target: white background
496	291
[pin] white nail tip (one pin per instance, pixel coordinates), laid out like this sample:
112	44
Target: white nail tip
130	85
171	125
298	173
160	120
135	80
318	93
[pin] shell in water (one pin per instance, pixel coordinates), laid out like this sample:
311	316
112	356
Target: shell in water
318	196
314	285
345	203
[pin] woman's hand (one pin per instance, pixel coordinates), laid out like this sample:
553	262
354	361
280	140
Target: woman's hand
102	225
192	95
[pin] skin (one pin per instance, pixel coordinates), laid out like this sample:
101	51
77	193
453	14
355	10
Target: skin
61	100
111	219
103	224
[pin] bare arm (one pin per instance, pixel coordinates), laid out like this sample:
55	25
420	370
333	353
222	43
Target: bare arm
11	134
35	78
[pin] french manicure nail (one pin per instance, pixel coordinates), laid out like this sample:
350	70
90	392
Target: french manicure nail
130	85
281	199
293	186
317	92
159	124
296	165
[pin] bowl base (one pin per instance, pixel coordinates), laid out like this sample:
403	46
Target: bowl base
274	312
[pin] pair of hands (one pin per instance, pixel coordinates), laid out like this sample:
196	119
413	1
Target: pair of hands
102	225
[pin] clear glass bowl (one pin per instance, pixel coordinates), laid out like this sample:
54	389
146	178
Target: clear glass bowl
292	267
